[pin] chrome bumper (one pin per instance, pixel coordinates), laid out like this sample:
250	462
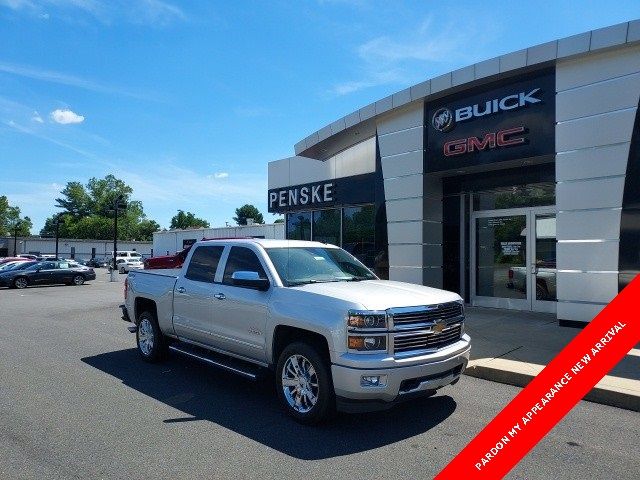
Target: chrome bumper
401	381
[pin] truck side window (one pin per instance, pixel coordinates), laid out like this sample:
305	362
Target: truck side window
204	263
242	259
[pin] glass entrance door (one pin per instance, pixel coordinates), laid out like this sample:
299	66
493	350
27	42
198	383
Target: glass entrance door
513	259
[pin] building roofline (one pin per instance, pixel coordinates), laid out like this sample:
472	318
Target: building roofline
503	65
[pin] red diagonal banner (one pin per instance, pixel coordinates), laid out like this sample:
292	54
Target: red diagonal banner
555	391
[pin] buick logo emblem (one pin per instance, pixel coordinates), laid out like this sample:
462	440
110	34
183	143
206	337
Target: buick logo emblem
443	120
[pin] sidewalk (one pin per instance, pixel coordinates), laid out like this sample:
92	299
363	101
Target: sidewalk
513	347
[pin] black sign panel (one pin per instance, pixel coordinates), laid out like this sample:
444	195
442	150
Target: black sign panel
352	190
505	122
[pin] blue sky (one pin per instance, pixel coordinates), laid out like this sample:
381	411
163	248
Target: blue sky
188	101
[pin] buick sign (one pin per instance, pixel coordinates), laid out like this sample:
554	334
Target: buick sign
442	120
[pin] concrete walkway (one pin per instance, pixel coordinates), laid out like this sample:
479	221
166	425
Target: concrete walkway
513	347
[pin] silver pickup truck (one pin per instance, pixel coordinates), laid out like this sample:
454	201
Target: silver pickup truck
335	335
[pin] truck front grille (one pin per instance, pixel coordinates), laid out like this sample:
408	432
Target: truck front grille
430	314
426	340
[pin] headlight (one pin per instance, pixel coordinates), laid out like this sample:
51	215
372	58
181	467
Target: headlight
367	320
368	343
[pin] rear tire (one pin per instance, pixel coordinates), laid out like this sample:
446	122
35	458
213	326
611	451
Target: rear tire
78	280
152	345
20	282
122	270
304	384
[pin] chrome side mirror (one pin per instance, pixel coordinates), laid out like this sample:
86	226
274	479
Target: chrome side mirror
249	280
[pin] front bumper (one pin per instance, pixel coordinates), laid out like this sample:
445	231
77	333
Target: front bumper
402	382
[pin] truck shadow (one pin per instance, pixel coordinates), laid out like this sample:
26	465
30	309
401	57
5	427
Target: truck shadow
251	408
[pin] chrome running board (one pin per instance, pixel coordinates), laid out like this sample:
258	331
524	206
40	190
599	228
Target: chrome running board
228	364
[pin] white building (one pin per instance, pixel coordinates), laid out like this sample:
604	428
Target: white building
513	181
69	247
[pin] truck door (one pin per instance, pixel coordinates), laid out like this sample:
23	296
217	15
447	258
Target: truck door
240	313
193	299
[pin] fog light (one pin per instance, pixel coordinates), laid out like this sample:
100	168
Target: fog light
373	381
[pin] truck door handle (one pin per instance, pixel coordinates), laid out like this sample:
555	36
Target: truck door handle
220	296
181	290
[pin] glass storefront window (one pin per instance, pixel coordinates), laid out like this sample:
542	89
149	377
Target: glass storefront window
501	246
532	195
299	226
358	233
545	261
326	226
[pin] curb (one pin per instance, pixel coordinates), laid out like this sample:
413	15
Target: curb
599	394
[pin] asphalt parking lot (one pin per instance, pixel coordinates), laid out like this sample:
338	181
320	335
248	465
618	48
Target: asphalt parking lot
76	402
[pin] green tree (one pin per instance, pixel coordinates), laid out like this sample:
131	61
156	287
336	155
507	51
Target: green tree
146	229
279	220
10	217
247	211
184	220
86	212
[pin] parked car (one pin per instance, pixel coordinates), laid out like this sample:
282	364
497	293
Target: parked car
13	259
335	335
97	263
46	273
17	265
28	256
545	280
176	261
125	265
166	261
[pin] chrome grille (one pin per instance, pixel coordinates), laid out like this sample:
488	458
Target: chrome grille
429	314
426	340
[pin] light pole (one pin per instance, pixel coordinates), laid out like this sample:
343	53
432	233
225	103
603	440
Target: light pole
118	204
15	238
58	216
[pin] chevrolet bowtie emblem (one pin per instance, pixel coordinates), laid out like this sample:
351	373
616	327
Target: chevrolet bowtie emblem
438	327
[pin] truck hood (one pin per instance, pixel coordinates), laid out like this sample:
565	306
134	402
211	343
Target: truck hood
381	294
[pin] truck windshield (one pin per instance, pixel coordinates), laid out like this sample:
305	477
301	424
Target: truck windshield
301	265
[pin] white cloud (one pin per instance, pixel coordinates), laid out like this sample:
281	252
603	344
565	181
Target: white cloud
66	79
221	175
66	116
397	58
36	117
139	12
27	131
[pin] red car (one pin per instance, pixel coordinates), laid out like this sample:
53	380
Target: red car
175	261
14	259
166	261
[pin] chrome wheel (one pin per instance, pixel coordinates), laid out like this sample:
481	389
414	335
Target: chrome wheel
121	269
78	280
145	337
300	383
20	282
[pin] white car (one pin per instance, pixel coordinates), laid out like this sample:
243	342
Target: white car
125	265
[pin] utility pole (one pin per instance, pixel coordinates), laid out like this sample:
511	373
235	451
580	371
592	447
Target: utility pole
58	216
15	239
118	204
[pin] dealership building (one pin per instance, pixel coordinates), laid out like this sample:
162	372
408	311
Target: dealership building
514	181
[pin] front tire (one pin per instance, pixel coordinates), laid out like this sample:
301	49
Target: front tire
303	380
149	338
121	270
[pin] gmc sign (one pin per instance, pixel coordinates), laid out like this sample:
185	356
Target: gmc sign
507	121
503	138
